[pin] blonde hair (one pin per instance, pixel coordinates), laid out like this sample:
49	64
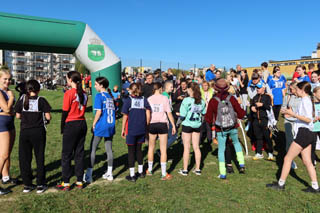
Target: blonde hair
4	71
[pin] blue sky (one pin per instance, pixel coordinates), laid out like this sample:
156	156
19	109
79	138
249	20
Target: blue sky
200	32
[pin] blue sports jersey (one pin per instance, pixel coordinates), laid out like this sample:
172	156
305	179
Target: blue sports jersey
305	78
277	86
105	127
135	108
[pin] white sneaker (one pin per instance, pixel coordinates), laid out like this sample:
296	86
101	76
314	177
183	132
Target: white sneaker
107	176
87	177
270	157
258	156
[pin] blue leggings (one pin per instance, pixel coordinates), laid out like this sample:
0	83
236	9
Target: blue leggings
222	138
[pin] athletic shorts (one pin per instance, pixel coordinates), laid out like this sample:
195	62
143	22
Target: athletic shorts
305	137
135	139
188	129
6	123
158	128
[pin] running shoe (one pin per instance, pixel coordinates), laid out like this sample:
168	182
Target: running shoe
140	175
131	179
63	187
27	189
253	147
230	169
271	157
183	172
107	176
275	185
167	177
41	189
222	177
311	190
87	177
197	172
258	156
79	185
4	191
148	173
10	181
294	165
242	169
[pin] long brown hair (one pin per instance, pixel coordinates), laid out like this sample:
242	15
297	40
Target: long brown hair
306	87
136	89
196	92
76	78
156	86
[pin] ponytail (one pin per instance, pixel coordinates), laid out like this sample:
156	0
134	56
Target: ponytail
110	93
76	78
26	101
31	86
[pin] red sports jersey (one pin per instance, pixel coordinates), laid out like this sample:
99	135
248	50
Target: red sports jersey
72	105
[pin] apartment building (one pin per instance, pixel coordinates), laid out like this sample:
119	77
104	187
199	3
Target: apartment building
27	65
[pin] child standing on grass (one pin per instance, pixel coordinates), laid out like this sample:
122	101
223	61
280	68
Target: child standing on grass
34	112
191	111
74	130
159	127
316	128
136	111
103	126
304	137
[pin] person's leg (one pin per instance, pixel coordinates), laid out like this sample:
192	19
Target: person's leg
163	151
289	134
209	133
6	168
258	133
294	150
186	138
171	138
38	140
222	138
196	149
313	152
237	146
108	147
151	145
79	151
276	111
306	153
25	158
227	153
266	137
139	156
5	148
131	159
93	148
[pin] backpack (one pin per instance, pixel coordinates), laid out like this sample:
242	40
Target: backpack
226	116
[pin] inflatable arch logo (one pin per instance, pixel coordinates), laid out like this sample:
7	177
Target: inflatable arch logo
37	34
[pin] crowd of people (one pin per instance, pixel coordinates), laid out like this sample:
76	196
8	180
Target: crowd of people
208	108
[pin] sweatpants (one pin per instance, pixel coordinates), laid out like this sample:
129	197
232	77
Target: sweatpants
32	139
262	133
205	132
222	140
135	151
93	148
74	136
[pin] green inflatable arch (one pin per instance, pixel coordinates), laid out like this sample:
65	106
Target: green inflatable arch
28	33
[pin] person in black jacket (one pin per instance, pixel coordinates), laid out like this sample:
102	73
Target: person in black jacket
178	97
147	88
259	106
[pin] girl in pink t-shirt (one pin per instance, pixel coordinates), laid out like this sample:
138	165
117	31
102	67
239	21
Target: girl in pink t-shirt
160	113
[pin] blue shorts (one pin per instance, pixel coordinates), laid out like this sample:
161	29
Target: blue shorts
6	123
134	139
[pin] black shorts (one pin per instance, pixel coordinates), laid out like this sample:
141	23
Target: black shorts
305	137
158	128
188	129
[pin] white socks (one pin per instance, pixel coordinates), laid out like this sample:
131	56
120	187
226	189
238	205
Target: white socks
281	182
150	165
109	171
131	172
140	168
315	185
164	169
5	178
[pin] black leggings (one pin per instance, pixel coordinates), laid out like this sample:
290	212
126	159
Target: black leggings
276	111
314	157
262	132
229	152
135	151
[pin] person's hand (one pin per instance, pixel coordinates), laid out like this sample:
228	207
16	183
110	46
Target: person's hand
123	134
253	109
289	112
317	118
258	104
180	97
174	130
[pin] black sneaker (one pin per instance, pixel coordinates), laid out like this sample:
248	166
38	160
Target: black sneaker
311	190
275	185
242	170
10	181
131	179
28	189
4	191
41	189
140	175
229	169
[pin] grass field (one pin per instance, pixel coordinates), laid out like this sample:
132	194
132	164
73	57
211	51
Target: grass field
206	193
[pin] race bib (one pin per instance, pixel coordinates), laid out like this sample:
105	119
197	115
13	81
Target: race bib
196	109
157	107
137	103
279	84
109	104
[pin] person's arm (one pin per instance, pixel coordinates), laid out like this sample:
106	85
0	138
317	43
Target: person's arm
48	116
123	128
209	114
237	108
18	115
171	119
96	118
148	116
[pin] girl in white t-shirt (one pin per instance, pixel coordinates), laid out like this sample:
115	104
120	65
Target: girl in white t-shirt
303	139
160	112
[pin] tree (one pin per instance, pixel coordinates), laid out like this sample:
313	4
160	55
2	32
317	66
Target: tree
5	66
81	68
